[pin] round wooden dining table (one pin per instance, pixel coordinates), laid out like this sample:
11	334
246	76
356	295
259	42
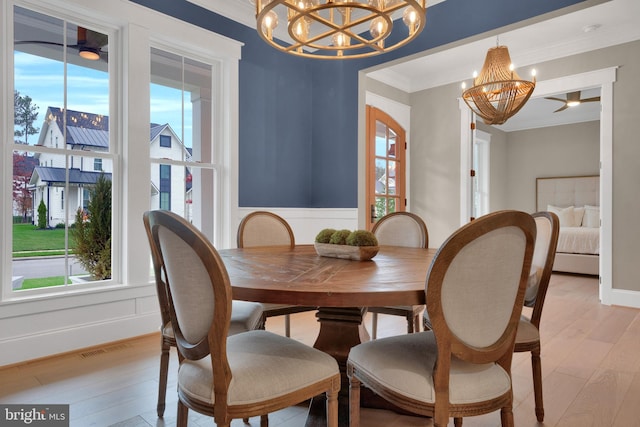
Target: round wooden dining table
341	289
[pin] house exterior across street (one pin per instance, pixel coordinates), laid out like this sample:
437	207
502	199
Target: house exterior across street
87	134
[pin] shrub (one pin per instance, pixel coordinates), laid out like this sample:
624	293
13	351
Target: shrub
42	215
93	234
324	236
362	238
340	237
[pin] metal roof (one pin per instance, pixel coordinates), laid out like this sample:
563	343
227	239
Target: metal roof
76	176
155	130
88	137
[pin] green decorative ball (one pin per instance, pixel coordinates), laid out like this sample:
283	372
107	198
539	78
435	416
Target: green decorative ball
362	238
325	235
339	237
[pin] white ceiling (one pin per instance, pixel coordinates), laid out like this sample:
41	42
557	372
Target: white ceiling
605	24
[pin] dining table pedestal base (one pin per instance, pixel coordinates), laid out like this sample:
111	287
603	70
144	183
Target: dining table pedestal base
342	328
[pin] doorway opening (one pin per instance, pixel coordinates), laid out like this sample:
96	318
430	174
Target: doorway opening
604	80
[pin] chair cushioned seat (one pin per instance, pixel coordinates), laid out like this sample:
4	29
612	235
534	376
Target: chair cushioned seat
263	365
404	364
527	332
245	316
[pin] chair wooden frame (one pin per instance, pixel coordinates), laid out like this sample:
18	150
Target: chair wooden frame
448	343
411	313
168	338
531	341
272	310
528	336
214	342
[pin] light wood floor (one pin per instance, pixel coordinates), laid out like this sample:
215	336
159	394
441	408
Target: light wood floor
590	361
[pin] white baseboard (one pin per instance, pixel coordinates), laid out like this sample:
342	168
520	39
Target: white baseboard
622	298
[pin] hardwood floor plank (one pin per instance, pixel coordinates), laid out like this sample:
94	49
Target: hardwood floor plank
598	401
625	354
627	415
585	357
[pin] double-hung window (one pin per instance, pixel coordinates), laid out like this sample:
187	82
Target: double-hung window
185	149
157	120
62	145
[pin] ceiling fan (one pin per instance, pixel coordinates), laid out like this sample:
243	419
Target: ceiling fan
89	44
573	99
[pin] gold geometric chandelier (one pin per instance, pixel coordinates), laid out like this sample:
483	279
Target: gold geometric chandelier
498	92
340	29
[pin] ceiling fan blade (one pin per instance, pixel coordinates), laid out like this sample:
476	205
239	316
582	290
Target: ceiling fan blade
564	107
38	42
555	99
594	99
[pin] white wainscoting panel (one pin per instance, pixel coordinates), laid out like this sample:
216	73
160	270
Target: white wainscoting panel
306	223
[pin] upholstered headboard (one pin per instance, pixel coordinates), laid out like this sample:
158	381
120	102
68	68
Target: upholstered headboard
567	191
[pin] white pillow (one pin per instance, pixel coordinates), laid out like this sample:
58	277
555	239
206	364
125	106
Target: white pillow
591	216
578	215
565	215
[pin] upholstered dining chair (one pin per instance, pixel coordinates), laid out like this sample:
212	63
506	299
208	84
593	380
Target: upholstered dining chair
230	376
400	229
528	336
262	228
245	316
475	290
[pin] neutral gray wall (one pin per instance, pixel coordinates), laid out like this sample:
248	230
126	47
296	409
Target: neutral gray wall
387	91
569	150
435	160
518	158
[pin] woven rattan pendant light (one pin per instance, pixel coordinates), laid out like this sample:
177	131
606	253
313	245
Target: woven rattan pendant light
498	92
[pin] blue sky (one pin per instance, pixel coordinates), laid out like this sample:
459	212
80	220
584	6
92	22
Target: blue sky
87	90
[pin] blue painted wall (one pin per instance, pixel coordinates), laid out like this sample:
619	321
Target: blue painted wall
298	117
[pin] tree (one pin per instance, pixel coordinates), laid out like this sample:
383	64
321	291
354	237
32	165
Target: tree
23	165
42	215
92	232
25	113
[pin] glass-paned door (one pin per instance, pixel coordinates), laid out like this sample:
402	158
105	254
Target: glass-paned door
386	147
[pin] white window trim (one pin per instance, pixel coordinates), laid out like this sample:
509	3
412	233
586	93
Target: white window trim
482	143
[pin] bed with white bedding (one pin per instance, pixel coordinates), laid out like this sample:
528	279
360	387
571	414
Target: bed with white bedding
575	200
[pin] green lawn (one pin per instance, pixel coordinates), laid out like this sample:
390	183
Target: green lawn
27	237
43	282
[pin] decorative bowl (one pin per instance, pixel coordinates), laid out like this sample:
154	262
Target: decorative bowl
356	253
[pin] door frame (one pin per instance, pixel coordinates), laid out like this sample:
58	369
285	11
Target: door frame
401	156
401	113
